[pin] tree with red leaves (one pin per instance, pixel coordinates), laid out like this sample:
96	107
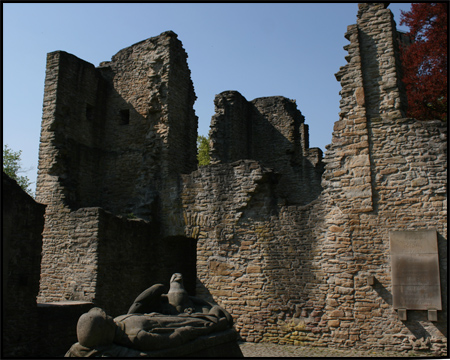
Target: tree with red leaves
425	60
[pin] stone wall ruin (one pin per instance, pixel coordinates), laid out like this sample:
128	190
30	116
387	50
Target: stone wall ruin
272	131
293	245
299	274
319	272
114	142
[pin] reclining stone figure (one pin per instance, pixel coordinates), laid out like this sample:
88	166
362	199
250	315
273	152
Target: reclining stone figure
154	322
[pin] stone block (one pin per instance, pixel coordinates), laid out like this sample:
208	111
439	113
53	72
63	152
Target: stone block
252	269
359	94
402	314
333	323
336	314
432	315
336	229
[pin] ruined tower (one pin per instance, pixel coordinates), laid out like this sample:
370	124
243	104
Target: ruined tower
114	141
115	135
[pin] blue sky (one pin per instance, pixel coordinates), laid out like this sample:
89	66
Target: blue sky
258	49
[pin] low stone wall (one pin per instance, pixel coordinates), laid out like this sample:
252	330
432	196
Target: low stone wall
109	260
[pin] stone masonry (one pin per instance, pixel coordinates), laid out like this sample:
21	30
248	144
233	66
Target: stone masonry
295	272
114	142
293	244
119	115
272	131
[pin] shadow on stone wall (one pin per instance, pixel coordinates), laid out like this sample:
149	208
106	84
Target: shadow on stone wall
270	130
442	324
22	225
178	254
132	257
284	247
270	247
299	180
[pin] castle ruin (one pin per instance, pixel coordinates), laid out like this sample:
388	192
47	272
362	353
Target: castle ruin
297	246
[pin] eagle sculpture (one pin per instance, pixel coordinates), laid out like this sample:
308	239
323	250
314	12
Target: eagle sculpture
176	301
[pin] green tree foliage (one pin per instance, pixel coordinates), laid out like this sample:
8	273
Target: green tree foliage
203	150
12	167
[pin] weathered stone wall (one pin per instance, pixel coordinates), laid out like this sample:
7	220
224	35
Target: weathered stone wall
130	259
69	258
150	82
281	142
407	196
272	131
254	255
108	260
70	133
231	128
299	274
22	225
116	137
376	161
357	242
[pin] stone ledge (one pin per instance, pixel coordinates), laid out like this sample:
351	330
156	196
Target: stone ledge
64	303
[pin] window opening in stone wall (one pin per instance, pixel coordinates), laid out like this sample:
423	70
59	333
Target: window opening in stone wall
89	112
124	117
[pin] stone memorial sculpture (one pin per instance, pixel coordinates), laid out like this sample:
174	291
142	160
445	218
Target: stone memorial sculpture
156	324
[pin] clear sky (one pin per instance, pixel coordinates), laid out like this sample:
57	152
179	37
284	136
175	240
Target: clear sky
258	49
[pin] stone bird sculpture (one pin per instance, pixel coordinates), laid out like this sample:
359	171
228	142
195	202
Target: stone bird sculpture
176	301
177	295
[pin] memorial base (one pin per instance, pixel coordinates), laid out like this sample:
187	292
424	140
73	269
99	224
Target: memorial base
218	345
